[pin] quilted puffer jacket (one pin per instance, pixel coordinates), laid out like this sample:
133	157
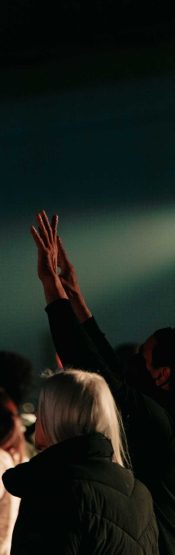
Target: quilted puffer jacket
76	501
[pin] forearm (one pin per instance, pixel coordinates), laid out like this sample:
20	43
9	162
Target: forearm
74	347
80	308
78	340
72	344
90	326
53	289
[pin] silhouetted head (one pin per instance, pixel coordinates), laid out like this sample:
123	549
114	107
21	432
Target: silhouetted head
152	368
16	376
8	413
11	429
158	352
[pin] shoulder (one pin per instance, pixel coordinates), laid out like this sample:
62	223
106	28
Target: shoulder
109	484
107	508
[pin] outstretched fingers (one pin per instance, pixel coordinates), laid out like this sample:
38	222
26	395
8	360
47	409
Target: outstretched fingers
54	226
37	238
44	227
47	247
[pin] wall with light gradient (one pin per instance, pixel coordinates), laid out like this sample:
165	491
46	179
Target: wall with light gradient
102	156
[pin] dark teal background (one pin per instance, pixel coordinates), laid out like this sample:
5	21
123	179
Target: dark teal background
101	153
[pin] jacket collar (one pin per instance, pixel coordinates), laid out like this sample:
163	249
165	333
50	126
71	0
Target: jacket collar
80	448
48	463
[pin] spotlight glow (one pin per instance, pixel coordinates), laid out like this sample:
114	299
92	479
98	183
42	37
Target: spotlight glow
117	249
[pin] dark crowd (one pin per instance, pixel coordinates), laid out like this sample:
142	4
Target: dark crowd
90	470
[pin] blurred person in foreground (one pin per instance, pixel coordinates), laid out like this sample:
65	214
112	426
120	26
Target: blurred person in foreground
79	342
77	496
17	378
12	452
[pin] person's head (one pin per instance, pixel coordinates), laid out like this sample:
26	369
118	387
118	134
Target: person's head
8	411
74	403
11	435
158	352
16	376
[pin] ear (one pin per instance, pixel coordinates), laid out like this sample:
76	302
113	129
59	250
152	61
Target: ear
164	376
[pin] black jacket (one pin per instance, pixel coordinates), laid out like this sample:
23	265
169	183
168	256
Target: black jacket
149	428
76	501
134	370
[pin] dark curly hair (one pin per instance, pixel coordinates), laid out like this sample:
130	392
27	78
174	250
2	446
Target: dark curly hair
6	416
16	376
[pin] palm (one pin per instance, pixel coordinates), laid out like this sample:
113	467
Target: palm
67	272
46	263
46	240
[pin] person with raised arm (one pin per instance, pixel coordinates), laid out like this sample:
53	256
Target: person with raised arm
150	369
149	428
79	348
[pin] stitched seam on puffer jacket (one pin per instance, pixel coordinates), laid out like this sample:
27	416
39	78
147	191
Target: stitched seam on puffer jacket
93	513
108	486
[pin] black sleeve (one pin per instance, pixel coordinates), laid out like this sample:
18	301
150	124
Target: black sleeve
74	346
81	345
105	349
76	349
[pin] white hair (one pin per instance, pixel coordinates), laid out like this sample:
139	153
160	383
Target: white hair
74	402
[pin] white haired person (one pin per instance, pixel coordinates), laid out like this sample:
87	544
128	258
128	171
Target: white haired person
79	495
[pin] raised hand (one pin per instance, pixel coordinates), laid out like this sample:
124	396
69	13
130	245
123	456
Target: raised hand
69	280
46	241
67	272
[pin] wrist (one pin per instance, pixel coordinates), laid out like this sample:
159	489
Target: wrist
80	308
53	289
